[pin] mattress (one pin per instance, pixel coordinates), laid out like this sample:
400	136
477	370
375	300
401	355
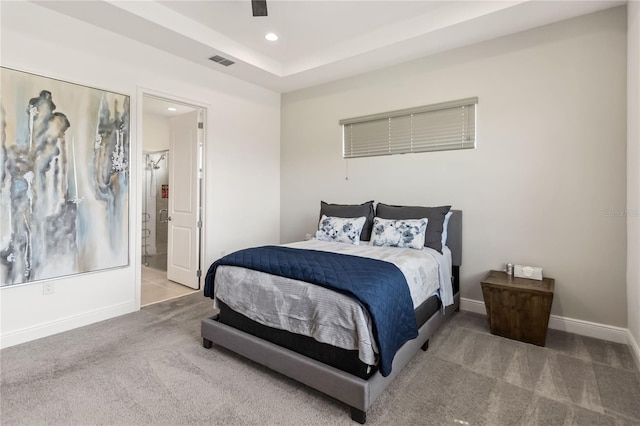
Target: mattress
321	314
342	359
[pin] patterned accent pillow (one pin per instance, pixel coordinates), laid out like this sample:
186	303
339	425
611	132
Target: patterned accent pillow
407	233
435	215
346	210
340	229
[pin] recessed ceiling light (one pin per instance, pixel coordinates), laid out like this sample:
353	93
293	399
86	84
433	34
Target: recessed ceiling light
172	109
271	37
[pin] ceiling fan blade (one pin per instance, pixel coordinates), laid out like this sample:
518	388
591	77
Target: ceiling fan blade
259	7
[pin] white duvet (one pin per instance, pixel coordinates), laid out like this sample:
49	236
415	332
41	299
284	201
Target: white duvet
323	314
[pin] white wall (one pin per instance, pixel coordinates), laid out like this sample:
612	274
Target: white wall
633	176
242	157
539	189
155	132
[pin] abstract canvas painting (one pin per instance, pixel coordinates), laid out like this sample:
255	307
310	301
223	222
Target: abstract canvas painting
64	178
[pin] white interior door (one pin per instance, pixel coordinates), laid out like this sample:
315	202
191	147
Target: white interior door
183	239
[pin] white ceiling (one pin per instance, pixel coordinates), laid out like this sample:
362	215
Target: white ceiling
157	106
320	40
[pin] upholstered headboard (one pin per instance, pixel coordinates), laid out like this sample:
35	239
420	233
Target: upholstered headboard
454	237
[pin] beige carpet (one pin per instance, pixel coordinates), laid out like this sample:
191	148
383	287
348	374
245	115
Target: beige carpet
149	367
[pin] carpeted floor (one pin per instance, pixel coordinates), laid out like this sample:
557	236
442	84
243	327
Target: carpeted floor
149	367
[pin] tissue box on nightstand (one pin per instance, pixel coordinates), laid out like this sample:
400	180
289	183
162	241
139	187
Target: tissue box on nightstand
530	272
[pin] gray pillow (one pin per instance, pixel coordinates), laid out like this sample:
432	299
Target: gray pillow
435	215
351	211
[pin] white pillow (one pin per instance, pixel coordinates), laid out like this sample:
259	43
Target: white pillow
445	226
340	229
408	233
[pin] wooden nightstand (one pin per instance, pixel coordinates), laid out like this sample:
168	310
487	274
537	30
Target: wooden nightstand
518	308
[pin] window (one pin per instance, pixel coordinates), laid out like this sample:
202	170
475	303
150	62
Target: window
438	127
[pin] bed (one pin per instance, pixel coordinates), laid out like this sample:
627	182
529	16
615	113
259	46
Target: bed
353	367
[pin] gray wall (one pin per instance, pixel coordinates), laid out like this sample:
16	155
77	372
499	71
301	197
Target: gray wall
633	177
543	186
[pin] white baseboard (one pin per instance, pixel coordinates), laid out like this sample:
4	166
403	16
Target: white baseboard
583	328
472	305
54	327
635	349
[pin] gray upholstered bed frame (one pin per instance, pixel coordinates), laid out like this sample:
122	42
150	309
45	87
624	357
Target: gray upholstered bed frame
358	393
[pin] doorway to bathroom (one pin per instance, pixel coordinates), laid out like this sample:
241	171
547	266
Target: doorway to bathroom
172	150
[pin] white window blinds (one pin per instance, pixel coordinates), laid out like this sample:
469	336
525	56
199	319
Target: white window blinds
438	127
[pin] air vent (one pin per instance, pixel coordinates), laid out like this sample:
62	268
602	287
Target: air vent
222	60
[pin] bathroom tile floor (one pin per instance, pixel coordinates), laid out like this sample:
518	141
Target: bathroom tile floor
157	288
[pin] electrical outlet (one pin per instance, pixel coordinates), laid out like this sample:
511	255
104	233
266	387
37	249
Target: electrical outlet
48	287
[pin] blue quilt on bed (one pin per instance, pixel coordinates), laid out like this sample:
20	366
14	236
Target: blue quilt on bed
379	286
